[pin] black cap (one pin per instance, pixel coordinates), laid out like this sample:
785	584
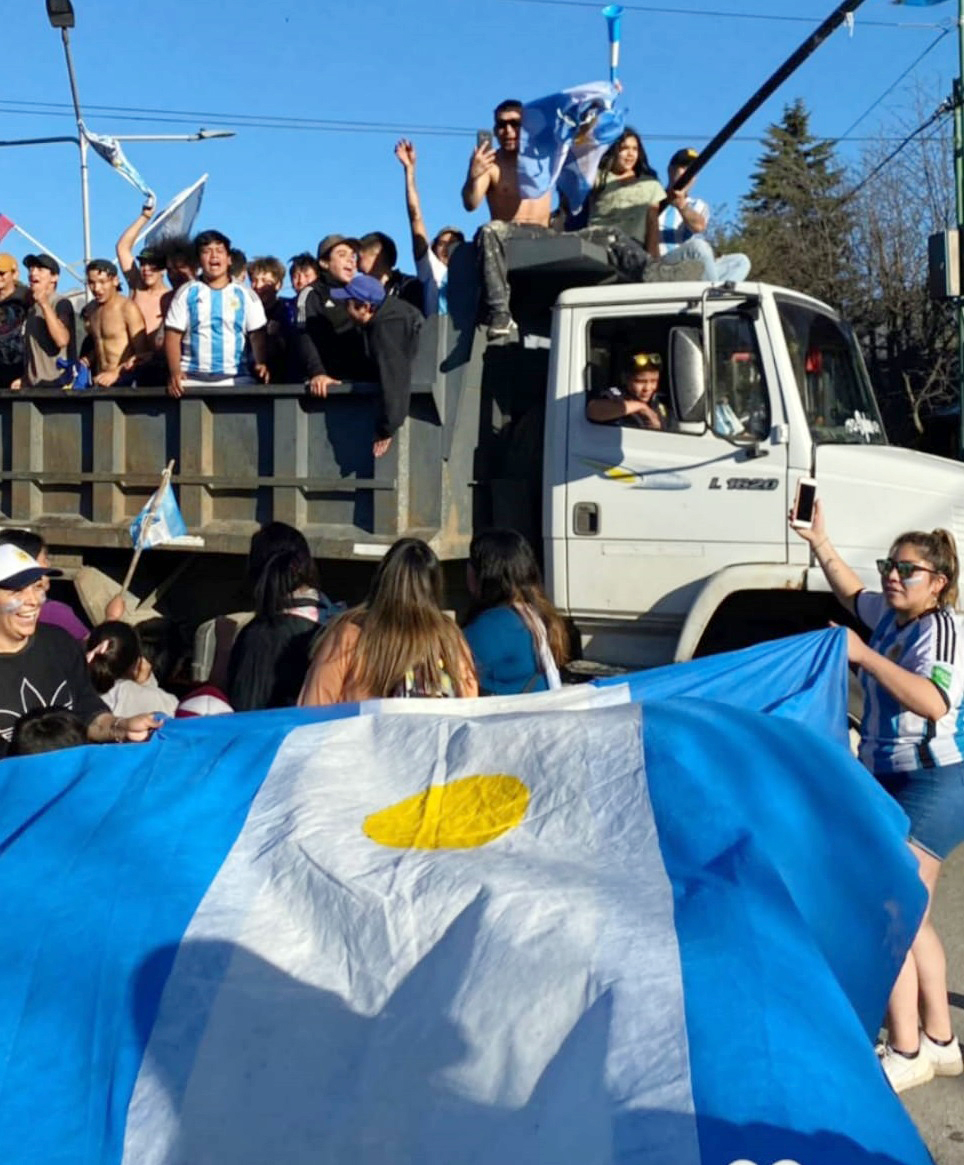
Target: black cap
330	241
42	261
684	158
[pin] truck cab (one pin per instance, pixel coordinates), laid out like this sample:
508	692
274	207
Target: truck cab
664	543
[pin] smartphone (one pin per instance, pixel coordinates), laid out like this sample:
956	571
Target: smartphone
483	138
803	503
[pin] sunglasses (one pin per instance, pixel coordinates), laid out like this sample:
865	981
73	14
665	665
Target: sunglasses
905	570
507	122
648	360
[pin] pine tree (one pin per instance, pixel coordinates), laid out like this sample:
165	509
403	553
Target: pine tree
794	222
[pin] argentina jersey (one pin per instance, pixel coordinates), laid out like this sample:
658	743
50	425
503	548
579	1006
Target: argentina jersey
894	740
216	323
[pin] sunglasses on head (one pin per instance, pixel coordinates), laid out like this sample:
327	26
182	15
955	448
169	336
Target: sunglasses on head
507	122
647	360
905	570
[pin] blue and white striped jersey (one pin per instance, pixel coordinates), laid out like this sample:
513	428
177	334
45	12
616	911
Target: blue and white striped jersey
893	740
673	231
215	324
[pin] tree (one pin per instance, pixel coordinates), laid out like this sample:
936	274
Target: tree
795	223
910	339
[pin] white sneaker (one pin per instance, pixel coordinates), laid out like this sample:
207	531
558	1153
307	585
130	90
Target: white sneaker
947	1061
905	1072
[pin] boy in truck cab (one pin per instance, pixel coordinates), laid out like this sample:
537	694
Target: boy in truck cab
634	401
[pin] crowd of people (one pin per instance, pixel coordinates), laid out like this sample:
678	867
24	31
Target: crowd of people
62	683
219	319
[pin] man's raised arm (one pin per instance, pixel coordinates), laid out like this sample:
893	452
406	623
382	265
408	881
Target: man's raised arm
125	246
405	152
479	178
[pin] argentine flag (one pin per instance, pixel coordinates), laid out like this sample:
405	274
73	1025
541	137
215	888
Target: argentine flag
160	521
563	140
597	926
109	148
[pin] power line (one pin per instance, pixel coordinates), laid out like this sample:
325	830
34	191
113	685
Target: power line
677	12
320	125
887	92
942	110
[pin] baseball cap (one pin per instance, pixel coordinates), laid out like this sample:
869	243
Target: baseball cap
41	261
18	569
362	289
330	241
684	157
152	258
204	701
7	262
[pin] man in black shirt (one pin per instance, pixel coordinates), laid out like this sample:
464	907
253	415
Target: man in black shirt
330	344
391	329
41	666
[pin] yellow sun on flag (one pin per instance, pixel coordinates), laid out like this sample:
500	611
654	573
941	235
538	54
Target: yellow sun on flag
462	814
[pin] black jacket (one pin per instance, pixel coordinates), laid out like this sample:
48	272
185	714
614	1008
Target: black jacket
392	342
329	342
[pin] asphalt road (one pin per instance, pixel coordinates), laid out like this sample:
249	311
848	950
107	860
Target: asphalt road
938	1107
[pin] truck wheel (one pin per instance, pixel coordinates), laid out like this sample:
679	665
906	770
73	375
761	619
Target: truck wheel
750	617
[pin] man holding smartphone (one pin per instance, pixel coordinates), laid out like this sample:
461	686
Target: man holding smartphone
493	176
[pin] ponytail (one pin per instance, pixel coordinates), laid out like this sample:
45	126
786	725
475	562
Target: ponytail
113	650
940	550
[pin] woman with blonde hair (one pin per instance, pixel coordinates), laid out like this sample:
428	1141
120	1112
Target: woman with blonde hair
912	740
398	643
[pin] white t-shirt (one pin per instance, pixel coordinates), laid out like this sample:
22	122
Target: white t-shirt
216	324
893	740
434	277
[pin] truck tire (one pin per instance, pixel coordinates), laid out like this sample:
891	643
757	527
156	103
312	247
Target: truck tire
750	617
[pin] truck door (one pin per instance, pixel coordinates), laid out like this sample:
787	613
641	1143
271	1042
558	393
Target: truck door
652	513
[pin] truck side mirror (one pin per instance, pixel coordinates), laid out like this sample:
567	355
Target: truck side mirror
687	379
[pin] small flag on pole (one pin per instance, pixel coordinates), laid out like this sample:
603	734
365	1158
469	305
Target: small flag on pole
6	226
110	150
160	520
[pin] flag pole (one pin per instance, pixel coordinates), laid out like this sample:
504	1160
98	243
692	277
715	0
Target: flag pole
145	529
47	251
770	86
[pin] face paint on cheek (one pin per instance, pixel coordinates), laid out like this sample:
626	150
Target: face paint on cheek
915	580
11	606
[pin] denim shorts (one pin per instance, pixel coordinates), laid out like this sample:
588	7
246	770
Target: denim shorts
933	799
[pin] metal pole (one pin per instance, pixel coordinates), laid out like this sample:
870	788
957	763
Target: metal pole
84	192
959	187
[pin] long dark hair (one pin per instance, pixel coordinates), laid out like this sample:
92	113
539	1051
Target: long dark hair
403	627
642	169
283	573
118	659
506	573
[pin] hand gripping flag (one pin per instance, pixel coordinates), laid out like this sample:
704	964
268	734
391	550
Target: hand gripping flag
160	520
563	139
588	927
110	150
176	220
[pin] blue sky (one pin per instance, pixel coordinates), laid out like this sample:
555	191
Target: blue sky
433	68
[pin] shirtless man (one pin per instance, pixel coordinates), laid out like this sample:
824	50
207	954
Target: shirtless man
116	328
493	176
145	278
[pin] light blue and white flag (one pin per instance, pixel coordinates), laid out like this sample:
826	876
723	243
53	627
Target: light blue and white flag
110	150
588	927
160	521
176	220
563	139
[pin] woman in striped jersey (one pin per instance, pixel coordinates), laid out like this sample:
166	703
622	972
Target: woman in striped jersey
911	739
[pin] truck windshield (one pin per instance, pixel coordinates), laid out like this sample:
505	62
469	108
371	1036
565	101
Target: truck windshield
834	386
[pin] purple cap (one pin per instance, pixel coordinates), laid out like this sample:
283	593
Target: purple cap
362	289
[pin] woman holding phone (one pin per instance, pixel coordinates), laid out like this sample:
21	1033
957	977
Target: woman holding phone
912	740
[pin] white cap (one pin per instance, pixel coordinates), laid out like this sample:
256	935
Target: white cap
19	570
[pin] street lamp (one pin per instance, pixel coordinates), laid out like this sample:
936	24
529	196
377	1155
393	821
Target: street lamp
60	13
